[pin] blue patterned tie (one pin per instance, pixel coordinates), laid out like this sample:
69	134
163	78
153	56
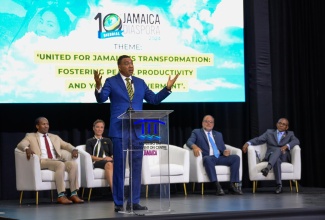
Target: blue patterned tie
214	146
279	136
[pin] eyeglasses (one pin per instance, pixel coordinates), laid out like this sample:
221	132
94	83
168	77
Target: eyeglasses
127	63
207	121
280	123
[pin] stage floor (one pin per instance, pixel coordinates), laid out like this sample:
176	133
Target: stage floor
308	203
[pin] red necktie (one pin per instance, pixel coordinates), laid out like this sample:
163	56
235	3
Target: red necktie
49	154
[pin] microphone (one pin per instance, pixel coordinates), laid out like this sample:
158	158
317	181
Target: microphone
130	109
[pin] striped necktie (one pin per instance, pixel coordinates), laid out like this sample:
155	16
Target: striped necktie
129	88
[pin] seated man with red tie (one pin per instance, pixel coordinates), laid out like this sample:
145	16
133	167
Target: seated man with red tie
279	143
56	155
210	143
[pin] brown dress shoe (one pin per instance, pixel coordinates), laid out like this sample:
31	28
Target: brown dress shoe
64	200
76	199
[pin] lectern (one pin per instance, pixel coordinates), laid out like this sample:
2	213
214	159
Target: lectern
147	132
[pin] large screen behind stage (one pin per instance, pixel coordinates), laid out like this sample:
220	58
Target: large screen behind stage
49	49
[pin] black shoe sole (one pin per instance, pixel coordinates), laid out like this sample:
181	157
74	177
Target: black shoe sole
118	209
142	208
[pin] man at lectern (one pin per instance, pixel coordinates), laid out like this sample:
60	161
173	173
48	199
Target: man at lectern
126	92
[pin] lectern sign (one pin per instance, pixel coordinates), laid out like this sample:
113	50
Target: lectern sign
150	129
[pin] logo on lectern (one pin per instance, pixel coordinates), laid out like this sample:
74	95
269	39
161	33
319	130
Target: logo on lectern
150	129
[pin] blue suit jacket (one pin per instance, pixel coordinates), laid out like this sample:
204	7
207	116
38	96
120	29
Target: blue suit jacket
115	89
199	138
271	140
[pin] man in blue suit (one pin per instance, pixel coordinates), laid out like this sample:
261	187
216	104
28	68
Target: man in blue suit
117	88
279	143
210	144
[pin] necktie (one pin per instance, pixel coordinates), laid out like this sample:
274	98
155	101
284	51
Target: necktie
214	146
47	145
97	148
279	136
129	88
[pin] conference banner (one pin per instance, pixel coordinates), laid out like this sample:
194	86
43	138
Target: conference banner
50	49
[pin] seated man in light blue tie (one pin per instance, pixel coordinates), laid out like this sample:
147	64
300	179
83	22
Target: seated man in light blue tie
279	143
210	143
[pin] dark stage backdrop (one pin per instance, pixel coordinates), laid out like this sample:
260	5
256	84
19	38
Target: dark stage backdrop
284	50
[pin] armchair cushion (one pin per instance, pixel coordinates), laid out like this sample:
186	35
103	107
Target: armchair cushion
154	166
174	170
48	176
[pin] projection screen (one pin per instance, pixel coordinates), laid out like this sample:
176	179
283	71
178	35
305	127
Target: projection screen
49	49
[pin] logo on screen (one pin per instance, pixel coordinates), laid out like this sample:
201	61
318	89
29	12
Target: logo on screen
150	129
109	26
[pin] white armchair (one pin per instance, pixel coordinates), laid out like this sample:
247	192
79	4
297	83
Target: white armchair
30	177
90	177
198	174
289	171
178	167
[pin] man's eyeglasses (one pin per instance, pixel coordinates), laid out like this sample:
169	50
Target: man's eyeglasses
207	121
128	63
284	124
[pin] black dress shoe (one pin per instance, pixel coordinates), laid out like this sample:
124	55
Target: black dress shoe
234	189
240	191
118	208
219	190
278	189
265	171
135	207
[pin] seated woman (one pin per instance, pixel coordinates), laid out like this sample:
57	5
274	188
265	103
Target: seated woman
101	151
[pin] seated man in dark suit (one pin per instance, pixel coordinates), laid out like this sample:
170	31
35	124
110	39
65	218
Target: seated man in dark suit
279	143
210	143
101	151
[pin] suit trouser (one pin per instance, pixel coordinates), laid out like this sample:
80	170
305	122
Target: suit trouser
59	167
233	161
135	161
275	159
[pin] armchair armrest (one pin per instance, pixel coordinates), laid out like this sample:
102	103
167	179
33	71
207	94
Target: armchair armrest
296	161
234	150
237	151
180	156
28	172
197	170
251	155
87	174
